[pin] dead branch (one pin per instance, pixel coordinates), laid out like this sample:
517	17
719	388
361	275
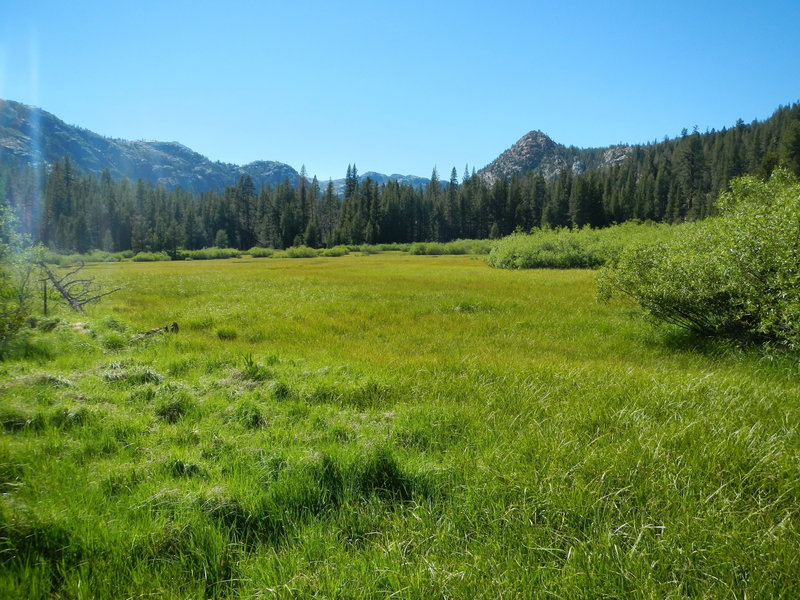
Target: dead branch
75	292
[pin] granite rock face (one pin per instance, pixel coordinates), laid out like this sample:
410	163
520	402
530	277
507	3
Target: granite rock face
536	151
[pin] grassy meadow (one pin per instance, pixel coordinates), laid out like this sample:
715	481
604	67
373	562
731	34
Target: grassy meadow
390	425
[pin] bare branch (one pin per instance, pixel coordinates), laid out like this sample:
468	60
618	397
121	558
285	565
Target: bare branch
75	292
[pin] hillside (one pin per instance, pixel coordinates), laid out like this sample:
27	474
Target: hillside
32	136
537	151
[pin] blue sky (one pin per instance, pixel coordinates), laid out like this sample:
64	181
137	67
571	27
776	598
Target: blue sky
397	87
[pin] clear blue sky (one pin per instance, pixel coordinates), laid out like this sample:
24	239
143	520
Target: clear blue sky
397	87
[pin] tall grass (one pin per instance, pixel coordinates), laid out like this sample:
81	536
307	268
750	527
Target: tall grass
386	424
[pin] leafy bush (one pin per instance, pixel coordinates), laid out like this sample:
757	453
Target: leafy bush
12	311
572	248
93	256
151	256
394	247
208	254
17	262
335	251
256	252
454	247
301	252
97	256
734	275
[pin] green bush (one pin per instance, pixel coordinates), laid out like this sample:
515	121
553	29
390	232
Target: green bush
301	252
256	252
17	263
454	247
93	256
208	254
394	247
734	275
335	251
151	256
572	248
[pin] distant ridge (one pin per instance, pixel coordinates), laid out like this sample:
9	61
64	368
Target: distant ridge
380	178
33	136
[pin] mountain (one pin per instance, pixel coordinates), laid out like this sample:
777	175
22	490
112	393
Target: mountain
34	136
380	178
537	151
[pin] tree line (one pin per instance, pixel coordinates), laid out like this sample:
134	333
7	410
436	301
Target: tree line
669	181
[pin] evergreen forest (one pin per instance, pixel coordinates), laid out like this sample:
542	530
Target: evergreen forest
671	181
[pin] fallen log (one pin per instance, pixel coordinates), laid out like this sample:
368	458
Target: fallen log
158	330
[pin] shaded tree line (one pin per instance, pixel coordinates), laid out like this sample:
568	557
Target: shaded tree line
669	181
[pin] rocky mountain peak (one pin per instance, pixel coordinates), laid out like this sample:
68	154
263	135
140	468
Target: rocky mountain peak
537	151
533	150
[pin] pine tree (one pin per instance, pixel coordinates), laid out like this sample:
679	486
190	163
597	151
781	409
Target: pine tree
790	147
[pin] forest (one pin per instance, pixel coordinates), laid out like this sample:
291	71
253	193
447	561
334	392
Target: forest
671	181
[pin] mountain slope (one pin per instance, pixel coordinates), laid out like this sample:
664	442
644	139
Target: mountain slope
537	151
34	136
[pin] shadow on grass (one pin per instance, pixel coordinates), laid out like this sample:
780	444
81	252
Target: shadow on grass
726	350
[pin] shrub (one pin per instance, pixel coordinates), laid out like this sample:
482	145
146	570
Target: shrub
17	262
454	247
261	252
335	251
734	275
572	248
100	256
548	249
301	252
151	256
208	254
93	256
394	247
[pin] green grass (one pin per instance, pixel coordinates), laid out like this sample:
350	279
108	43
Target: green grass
390	424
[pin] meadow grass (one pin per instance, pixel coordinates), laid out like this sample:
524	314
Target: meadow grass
369	426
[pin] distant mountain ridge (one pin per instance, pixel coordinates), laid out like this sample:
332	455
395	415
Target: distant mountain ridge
380	178
34	136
